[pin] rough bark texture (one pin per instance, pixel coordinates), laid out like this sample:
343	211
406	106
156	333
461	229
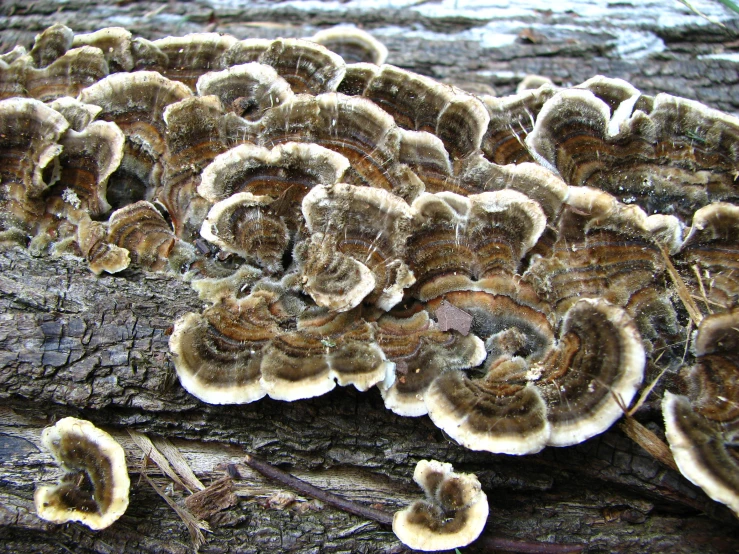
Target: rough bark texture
75	344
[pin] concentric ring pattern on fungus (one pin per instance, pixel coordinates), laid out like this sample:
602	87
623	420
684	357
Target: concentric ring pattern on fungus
505	265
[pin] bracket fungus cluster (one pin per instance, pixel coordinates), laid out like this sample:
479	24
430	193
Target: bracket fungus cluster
505	265
94	487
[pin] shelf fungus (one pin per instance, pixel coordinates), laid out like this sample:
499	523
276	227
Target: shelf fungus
30	133
702	425
668	155
248	90
709	258
560	394
419	103
95	484
506	265
351	126
421	351
352	44
470	243
453	514
357	247
285	173
237	352
187	58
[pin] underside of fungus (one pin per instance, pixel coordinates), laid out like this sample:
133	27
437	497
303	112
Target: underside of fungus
94	487
505	265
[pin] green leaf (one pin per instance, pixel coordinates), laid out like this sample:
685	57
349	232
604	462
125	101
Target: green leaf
733	6
696	11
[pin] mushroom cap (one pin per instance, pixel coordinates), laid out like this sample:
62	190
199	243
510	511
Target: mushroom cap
453	515
190	56
358	244
247	225
419	103
307	66
144	233
421	351
94	489
511	120
326	349
713	246
666	154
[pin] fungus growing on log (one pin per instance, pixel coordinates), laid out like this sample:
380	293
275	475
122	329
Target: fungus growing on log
453	514
701	426
361	224
668	155
94	487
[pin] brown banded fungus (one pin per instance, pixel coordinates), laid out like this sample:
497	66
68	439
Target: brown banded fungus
190	56
702	425
68	75
247	225
511	120
13	74
89	157
470	243
50	44
143	232
453	514
101	255
667	154
354	127
605	249
248	90
709	258
287	172
422	104
352	44
307	66
421	352
78	114
358	245
136	103
95	484
238	351
30	132
218	353
327	348
198	130
114	42
562	396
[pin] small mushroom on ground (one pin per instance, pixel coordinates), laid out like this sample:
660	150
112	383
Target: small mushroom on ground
94	487
453	514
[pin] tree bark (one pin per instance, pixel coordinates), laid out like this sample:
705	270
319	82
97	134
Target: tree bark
94	347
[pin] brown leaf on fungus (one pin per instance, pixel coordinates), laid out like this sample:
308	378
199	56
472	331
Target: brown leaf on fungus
451	317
